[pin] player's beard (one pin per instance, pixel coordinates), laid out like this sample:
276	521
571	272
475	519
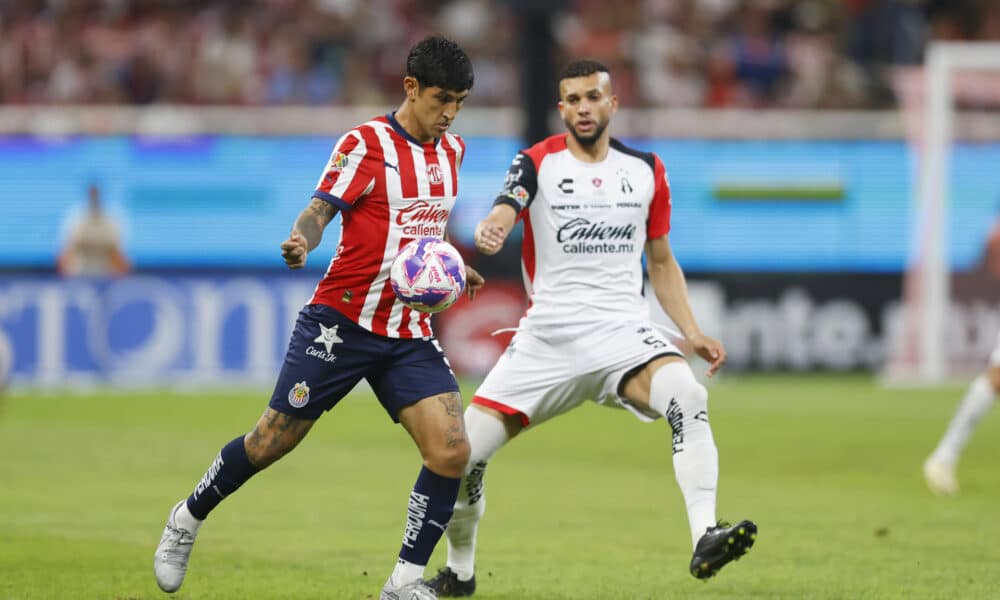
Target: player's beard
588	140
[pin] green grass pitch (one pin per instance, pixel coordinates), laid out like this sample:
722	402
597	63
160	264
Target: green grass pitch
585	507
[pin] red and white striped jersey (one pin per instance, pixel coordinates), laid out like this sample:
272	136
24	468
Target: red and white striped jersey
390	189
585	230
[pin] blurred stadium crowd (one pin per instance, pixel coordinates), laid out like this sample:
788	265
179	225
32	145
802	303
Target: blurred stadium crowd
677	53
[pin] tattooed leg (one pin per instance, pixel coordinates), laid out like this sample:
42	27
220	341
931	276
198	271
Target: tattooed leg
437	426
455	431
275	435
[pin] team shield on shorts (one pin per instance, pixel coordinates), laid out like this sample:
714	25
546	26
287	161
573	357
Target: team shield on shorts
329	354
543	374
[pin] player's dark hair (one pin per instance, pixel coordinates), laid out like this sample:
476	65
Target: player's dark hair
439	62
582	68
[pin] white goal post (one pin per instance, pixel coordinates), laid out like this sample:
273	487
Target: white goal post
920	355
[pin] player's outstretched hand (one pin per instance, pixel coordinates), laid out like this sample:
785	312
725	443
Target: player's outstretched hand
489	237
473	281
711	350
294	250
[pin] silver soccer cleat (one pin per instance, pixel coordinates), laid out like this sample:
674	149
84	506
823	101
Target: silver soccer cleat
415	590
171	559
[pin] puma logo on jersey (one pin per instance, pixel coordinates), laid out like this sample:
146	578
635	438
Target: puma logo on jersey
393	167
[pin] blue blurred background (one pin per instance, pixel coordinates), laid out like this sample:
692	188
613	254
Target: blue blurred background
246	191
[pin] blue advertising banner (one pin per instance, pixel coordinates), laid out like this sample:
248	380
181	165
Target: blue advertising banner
147	330
210	329
738	205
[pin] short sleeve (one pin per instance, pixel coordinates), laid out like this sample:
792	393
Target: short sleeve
348	175
658	223
520	184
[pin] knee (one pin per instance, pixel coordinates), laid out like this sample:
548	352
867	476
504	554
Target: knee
274	436
262	456
696	395
673	388
449	460
264	450
687	409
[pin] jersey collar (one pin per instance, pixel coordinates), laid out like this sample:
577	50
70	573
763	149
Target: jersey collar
391	117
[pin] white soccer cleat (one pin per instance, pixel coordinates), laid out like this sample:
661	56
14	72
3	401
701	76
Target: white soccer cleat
415	590
170	562
940	477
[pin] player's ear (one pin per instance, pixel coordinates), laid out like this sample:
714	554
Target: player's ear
412	87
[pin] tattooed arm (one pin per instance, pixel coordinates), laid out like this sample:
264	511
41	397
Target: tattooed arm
307	232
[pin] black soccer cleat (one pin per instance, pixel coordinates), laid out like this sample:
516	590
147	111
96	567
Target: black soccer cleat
720	545
447	584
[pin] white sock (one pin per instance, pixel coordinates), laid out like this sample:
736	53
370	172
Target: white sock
974	405
405	572
486	435
697	474
676	394
185	520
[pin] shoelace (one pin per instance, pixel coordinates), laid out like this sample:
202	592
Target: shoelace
172	553
421	591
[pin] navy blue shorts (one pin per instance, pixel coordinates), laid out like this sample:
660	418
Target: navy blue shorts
329	354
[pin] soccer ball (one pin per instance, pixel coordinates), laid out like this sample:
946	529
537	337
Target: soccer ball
428	275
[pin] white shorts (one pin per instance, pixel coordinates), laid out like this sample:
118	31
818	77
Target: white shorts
544	374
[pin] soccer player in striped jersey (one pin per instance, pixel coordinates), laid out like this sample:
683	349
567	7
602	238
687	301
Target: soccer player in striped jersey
392	179
591	206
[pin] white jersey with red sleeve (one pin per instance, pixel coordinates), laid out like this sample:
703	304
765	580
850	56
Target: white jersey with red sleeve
390	189
585	229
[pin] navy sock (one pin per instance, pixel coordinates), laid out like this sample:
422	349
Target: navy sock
230	469
432	502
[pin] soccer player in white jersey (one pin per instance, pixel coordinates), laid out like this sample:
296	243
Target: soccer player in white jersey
939	468
393	179
590	207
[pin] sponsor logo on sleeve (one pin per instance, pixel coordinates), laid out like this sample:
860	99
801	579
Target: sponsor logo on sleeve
339	162
518	194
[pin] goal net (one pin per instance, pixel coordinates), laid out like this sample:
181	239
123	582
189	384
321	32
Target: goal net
950	311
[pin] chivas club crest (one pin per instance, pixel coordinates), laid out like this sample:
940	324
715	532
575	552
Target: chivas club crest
434	174
298	396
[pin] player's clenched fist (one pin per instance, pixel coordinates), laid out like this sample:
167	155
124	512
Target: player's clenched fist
489	237
294	250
